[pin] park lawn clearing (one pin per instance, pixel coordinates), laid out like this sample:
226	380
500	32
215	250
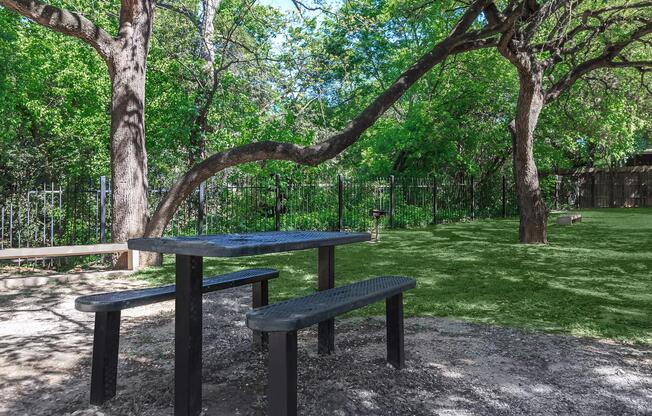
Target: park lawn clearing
594	279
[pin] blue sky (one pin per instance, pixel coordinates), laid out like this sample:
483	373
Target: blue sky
281	4
287	5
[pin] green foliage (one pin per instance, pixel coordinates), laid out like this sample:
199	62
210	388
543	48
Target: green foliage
455	119
54	93
600	123
299	79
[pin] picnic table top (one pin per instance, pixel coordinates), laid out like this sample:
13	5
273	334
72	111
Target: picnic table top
245	244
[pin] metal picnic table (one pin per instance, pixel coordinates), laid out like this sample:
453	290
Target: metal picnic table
190	252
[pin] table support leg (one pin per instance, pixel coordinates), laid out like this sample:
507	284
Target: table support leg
326	329
282	385
188	336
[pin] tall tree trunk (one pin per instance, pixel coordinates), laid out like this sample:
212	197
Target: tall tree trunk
127	70
533	210
207	30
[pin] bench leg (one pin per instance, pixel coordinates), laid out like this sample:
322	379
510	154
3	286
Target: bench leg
282	385
106	340
326	270
395	346
260	297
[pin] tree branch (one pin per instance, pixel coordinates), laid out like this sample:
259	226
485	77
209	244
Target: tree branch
460	40
64	21
181	10
630	64
626	6
606	59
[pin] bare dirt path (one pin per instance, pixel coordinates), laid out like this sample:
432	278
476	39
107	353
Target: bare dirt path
453	367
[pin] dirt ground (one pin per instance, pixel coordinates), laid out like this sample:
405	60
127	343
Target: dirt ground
453	367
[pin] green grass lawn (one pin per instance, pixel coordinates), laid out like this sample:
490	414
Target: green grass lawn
593	279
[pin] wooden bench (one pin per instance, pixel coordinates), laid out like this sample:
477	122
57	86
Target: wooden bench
282	320
569	219
107	307
66	251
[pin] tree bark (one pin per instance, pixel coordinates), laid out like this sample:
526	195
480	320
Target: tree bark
532	208
207	30
126	58
127	69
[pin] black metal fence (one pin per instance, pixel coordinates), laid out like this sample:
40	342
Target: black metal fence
70	214
80	213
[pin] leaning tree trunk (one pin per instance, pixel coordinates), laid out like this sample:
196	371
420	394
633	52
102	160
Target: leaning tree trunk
128	154
532	208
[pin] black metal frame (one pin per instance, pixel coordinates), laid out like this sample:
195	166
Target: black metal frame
188	336
326	270
282	386
395	343
106	341
282	383
260	297
188	333
106	336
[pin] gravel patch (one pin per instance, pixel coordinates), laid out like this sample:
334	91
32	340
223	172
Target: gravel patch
453	367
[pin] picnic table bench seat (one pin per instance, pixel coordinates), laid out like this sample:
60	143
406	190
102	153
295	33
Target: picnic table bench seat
107	307
282	321
117	301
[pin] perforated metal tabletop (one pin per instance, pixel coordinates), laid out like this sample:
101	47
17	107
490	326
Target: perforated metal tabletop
246	244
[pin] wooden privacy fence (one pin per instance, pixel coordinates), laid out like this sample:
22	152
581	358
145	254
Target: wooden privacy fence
603	188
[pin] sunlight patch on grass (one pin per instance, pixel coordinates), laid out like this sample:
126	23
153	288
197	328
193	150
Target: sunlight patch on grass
593	279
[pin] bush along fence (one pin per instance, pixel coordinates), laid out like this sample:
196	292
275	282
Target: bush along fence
80	213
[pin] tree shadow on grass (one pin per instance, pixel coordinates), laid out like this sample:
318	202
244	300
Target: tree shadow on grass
593	278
